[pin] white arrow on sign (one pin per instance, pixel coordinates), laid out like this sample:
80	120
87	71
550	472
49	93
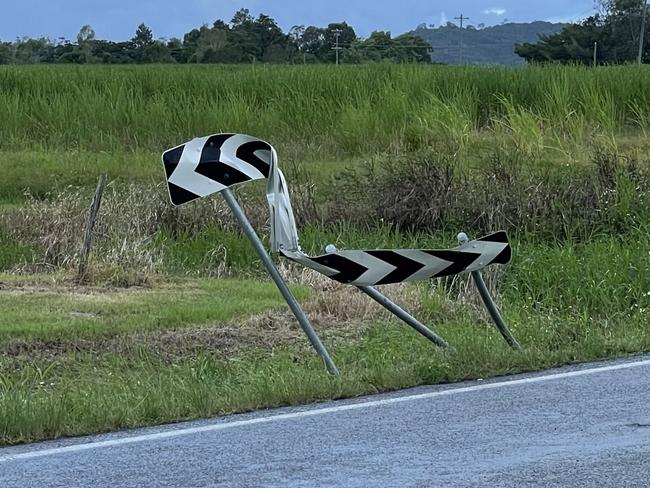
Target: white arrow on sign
229	155
185	174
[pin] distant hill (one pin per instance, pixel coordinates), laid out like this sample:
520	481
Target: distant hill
488	45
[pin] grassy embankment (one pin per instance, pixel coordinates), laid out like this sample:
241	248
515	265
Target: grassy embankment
176	320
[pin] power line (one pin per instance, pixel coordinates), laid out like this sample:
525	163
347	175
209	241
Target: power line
461	18
395	46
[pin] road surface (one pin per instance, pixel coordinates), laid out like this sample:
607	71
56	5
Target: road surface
578	426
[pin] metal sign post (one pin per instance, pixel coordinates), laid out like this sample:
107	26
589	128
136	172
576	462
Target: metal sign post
277	278
493	310
403	315
489	303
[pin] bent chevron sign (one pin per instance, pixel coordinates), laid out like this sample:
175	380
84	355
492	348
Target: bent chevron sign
207	165
381	267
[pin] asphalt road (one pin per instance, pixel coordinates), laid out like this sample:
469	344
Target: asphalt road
579	426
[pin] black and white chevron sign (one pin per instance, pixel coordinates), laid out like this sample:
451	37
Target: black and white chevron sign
207	165
381	267
210	164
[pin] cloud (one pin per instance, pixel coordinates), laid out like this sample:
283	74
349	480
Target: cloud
569	19
443	18
495	11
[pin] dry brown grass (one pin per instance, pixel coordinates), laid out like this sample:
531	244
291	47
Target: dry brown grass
130	220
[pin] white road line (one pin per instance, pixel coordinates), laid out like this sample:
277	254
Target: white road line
316	411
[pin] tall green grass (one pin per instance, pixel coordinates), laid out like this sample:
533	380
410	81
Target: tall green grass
305	110
66	313
12	253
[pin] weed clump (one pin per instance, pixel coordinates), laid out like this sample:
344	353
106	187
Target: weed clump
432	191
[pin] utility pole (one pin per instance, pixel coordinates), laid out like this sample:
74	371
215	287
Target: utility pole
644	14
595	53
461	18
337	48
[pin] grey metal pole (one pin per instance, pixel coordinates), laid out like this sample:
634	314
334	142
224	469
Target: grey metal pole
644	14
337	34
493	310
403	315
277	278
461	18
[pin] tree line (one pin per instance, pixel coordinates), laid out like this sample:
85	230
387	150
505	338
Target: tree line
613	34
245	39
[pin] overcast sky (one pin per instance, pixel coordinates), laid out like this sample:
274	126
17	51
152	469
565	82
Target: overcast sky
117	19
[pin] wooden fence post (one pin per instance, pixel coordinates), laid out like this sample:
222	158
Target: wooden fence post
90	224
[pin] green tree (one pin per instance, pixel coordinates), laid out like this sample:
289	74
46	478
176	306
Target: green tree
378	46
6	53
213	45
157	52
574	44
622	28
109	52
312	43
85	39
244	39
346	39
31	51
615	28
381	46
295	35
244	35
412	49
242	17
258	39
142	43
190	46
275	45
175	47
143	37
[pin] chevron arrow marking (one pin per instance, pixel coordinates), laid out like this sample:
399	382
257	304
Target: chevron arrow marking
185	175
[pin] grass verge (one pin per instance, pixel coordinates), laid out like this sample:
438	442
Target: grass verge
196	347
49	309
82	395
